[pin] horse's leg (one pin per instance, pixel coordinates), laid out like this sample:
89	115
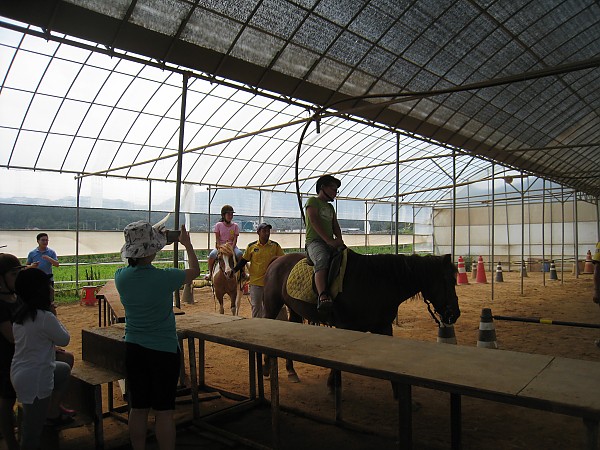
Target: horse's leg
289	364
232	303
221	300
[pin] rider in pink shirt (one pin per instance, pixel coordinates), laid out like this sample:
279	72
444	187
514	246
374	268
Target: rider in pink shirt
226	231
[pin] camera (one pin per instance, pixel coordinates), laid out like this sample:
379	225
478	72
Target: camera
173	236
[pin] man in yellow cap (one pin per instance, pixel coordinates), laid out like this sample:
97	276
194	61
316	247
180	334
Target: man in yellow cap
596	297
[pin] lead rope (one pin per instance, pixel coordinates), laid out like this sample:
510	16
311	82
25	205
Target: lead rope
428	303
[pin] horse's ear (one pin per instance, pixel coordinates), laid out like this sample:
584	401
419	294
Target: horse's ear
447	258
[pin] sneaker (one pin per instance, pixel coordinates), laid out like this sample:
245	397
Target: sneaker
324	305
324	308
67	412
59	421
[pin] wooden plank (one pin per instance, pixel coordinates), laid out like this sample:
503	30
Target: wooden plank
194	320
568	383
93	374
109	290
422	363
275	336
104	346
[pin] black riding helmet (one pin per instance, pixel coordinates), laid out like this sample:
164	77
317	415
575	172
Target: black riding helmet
226	209
325	180
8	262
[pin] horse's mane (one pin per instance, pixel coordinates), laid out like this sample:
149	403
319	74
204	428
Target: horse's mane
226	249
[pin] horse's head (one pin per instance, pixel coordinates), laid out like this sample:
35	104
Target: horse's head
440	291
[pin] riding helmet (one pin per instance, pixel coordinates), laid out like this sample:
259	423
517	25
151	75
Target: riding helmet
325	180
226	209
9	262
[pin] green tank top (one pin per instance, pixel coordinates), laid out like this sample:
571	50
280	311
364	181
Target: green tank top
326	215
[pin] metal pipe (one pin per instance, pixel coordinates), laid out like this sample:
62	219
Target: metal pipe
547	321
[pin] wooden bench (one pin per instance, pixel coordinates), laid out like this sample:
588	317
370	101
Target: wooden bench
85	395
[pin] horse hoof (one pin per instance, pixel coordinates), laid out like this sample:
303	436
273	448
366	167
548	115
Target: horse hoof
293	378
221	311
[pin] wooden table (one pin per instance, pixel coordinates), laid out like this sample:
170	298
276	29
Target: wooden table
560	385
548	383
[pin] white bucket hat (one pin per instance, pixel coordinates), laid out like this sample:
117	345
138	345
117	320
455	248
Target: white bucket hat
142	239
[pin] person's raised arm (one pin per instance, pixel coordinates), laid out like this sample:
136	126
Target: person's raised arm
194	267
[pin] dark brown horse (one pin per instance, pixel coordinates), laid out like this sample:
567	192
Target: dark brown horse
373	288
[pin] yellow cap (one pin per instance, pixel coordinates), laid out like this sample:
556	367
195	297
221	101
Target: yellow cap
596	256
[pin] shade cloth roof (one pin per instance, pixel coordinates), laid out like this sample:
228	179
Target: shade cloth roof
512	82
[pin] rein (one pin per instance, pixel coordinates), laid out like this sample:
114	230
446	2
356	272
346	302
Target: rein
428	303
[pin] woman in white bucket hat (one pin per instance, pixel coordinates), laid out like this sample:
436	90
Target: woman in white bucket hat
152	358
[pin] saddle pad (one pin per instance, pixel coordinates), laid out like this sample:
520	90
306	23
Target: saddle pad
300	281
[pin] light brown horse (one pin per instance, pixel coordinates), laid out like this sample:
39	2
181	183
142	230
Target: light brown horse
223	280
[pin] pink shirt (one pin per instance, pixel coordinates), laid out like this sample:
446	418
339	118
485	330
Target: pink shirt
226	233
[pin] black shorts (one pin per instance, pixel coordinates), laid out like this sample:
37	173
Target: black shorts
152	377
6	388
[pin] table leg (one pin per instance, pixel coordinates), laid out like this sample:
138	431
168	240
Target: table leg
252	373
591	434
455	421
193	377
405	416
337	389
201	363
260	376
274	378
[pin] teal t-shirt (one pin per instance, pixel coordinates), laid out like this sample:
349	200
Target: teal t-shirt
326	214
147	295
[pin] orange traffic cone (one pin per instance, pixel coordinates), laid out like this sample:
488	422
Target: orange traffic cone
589	265
481	278
462	273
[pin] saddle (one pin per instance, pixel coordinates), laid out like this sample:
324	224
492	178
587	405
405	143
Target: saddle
300	282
